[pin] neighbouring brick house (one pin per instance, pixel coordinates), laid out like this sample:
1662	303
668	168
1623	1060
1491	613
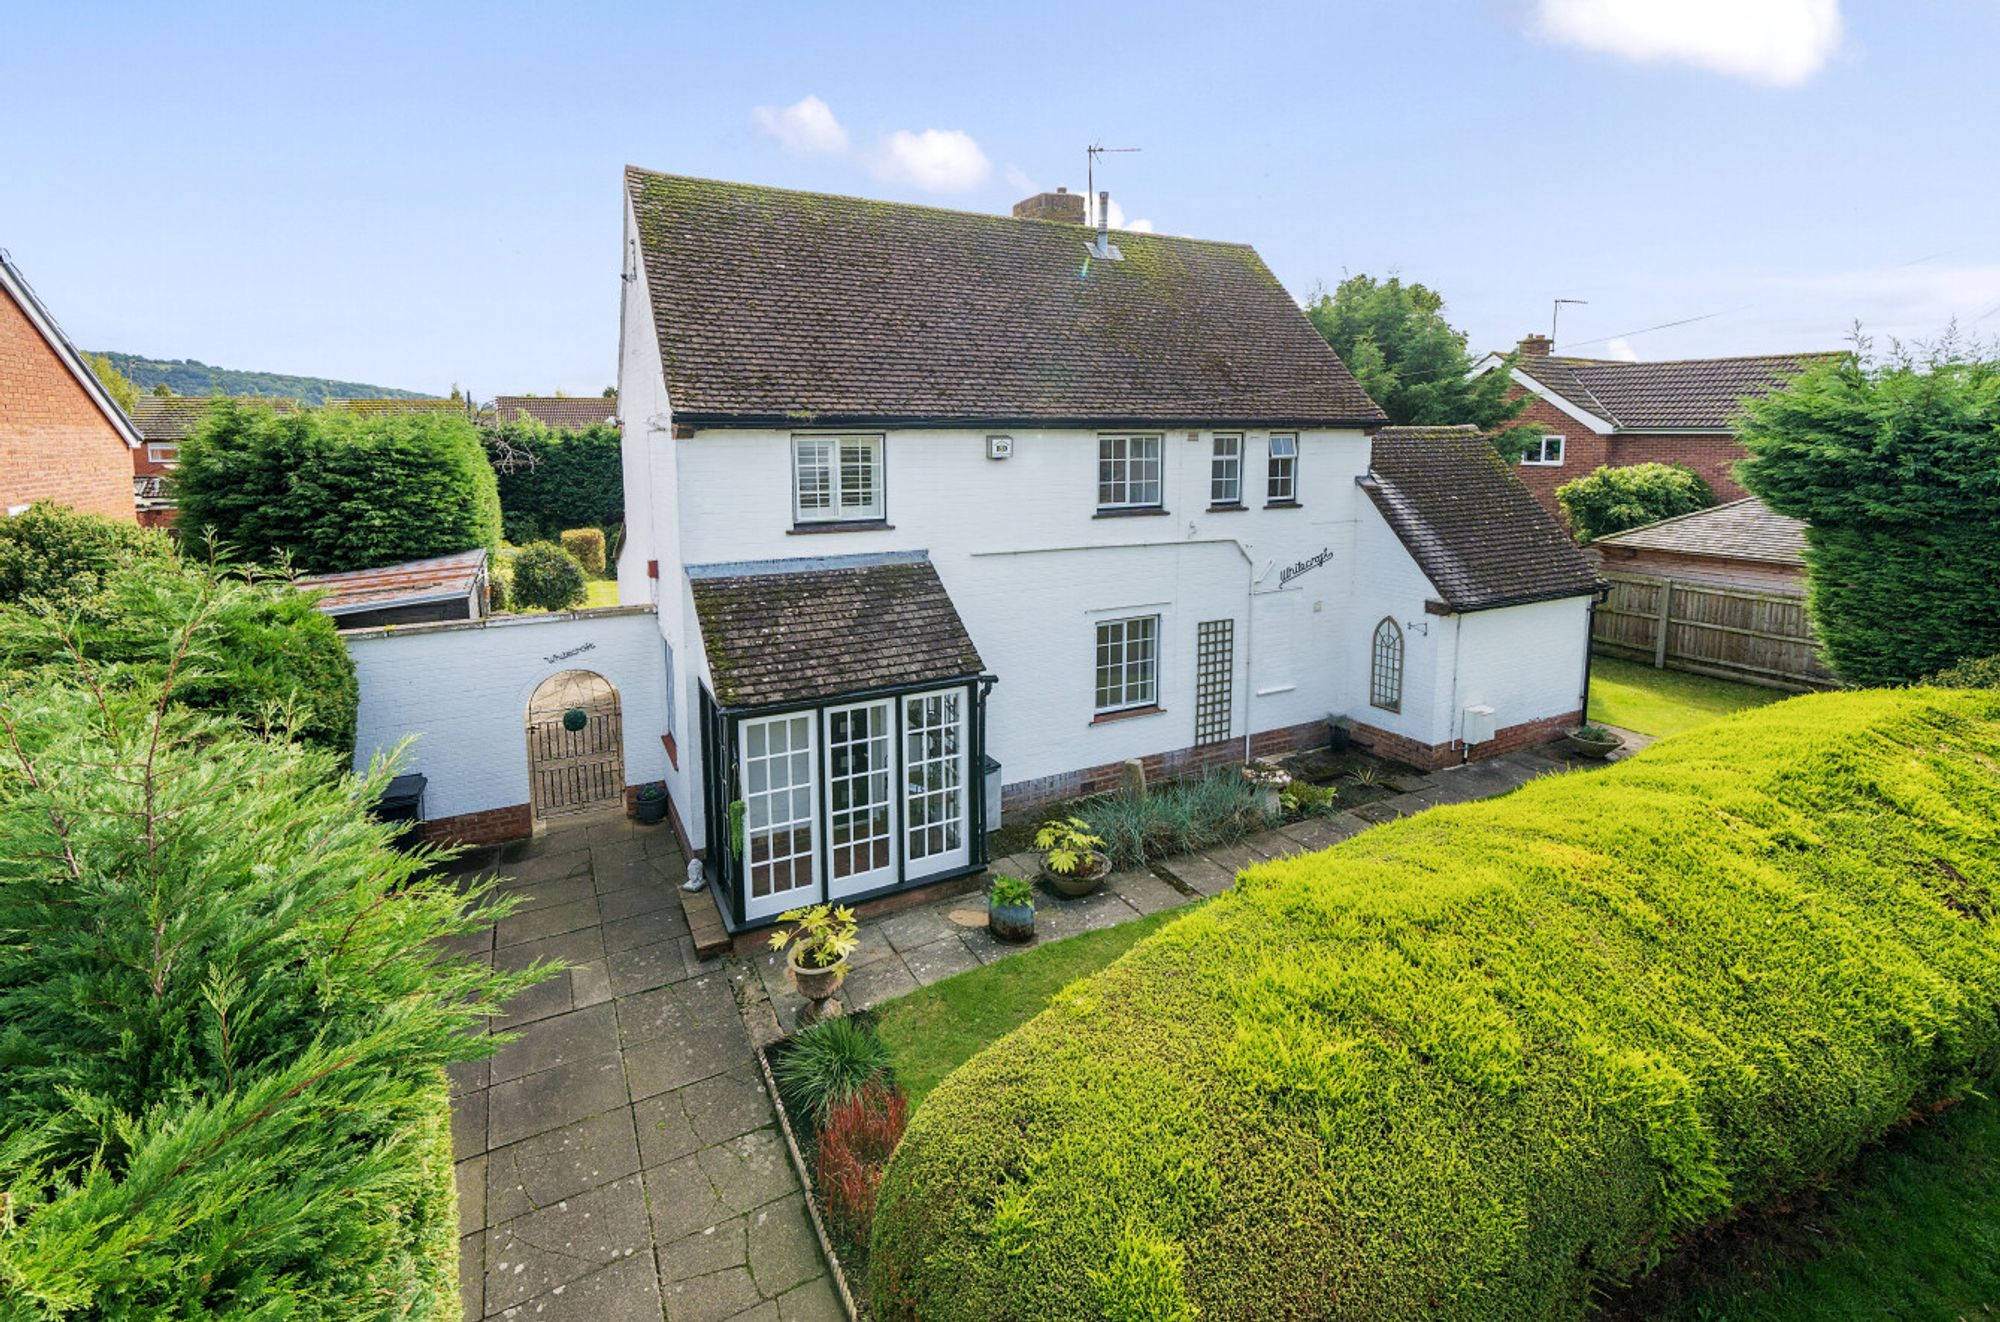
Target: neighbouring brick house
62	437
1606	413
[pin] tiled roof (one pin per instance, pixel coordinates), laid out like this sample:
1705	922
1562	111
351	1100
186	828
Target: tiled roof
1471	526
1693	394
564	413
410	582
396	407
170	418
782	631
1746	529
776	308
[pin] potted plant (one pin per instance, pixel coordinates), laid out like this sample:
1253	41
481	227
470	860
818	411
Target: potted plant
1592	741
1073	860
1010	909
1270	780
651	805
821	939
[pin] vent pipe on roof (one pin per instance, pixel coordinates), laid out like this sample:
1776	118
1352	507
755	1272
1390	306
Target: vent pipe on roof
1104	250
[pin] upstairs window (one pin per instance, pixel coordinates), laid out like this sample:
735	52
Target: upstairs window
1545	452
167	455
1128	472
1385	669
1128	663
1281	483
837	479
1225	470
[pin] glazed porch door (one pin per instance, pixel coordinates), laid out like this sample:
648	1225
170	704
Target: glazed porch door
937	830
780	813
860	798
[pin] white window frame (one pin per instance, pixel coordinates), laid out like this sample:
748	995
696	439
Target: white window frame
1112	657
166	455
1281	471
1225	470
1537	453
833	498
1116	459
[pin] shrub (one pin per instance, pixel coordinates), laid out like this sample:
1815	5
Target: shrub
227	1018
855	1144
551	480
1613	499
335	491
829	1063
1973	673
1892	467
1176	818
496	590
546	577
54	553
1485	1061
252	649
1308	799
587	545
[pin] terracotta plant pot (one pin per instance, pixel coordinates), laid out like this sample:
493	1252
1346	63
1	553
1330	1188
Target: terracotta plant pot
1013	923
1076	885
1584	746
815	984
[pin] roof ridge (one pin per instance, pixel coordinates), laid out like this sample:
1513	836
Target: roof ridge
1677	518
1723	358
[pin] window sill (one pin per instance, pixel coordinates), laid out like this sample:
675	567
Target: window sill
1139	512
841	525
1541	463
1126	714
1280	688
1282	505
1235	508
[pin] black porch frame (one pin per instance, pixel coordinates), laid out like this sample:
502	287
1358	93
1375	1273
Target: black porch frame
720	752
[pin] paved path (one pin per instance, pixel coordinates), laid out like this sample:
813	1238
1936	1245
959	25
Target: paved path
620	1160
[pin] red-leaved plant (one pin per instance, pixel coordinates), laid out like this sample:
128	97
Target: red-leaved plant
854	1147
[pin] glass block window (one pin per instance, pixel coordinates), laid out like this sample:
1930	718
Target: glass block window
1225	470
1128	472
1385	671
1128	663
1214	679
837	478
1282	477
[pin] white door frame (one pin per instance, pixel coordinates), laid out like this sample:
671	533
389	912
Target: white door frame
937	791
774	751
877	783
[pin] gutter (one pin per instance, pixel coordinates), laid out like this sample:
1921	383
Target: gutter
1087	422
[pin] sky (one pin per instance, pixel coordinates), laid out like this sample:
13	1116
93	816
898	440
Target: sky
423	194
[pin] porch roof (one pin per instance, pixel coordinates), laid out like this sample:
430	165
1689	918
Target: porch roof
779	632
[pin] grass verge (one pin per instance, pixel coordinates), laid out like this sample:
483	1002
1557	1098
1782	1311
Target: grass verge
1635	696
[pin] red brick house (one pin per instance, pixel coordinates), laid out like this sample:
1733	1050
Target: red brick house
62	437
1604	413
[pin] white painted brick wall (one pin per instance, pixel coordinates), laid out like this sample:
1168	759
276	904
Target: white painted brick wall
461	692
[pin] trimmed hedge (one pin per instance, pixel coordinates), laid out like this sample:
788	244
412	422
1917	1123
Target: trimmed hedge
1979	672
543	576
55	554
1488	1060
551	479
1609	500
587	545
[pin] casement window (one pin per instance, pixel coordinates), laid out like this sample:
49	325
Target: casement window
1225	470
1385	669
1128	472
1128	663
168	455
1281	484
1544	452
837	479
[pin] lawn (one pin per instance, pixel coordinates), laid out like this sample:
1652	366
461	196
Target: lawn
933	1031
1634	696
603	592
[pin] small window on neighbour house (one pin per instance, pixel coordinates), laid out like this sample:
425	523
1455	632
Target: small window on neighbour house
1128	663
168	455
1128	472
1282	484
1385	670
837	479
1225	470
1545	451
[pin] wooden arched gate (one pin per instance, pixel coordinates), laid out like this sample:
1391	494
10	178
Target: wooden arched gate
576	751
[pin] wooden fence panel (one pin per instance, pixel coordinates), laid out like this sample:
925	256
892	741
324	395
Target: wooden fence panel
1740	633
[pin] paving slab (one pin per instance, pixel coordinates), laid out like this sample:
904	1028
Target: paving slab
537	1172
569	1239
553	1098
783	1250
1145	892
882	981
913	928
646	967
939	960
1199	873
625	1291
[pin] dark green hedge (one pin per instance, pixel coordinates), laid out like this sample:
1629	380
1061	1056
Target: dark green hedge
553	480
1895	467
59	555
335	491
1482	1062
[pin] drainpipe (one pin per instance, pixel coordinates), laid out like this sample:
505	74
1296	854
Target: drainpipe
1457	708
1602	595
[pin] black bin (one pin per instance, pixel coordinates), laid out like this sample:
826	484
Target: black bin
403	802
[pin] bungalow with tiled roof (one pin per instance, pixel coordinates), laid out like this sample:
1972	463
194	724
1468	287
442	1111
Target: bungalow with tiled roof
1607	413
559	412
947	515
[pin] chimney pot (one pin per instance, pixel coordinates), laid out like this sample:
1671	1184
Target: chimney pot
1536	346
1060	205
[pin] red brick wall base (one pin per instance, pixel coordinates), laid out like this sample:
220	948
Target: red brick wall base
1026	795
1429	757
490	827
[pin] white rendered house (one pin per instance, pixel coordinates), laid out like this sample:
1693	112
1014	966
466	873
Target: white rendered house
917	492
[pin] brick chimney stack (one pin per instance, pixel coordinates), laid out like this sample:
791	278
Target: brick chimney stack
1535	346
1060	205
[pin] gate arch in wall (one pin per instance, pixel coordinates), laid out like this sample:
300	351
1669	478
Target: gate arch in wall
576	754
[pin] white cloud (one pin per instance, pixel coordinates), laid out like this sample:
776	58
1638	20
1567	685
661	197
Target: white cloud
1621	349
1781	42
1118	221
939	160
1017	179
806	125
1911	302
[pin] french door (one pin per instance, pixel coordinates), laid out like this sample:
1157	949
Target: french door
937	830
860	798
780	813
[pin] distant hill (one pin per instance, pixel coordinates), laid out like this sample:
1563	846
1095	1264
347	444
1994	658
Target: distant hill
185	376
